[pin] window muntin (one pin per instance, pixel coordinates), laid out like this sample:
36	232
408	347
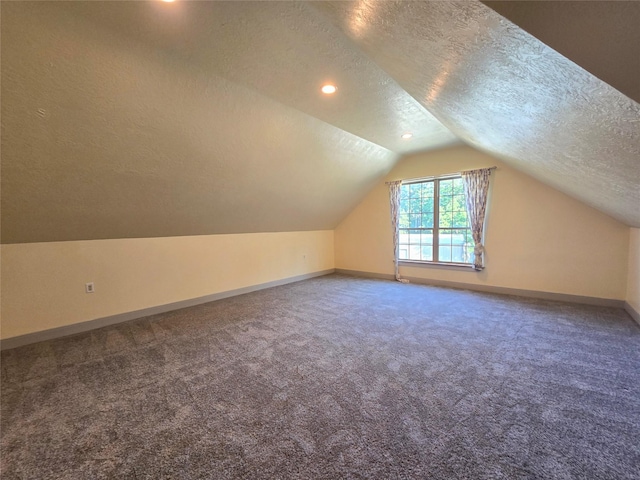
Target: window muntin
433	224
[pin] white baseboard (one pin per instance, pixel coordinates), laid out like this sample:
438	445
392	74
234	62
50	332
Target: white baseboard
66	330
562	297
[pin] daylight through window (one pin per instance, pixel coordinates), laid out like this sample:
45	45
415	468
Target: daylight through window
433	225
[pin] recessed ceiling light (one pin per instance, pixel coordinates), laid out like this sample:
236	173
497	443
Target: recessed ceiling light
168	1
329	89
407	135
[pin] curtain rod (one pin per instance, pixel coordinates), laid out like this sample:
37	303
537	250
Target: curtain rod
423	179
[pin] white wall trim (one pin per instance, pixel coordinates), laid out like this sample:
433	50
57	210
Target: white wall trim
66	330
562	297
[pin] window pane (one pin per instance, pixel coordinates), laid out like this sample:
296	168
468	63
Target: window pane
458	186
404	193
404	201
446	220
446	187
454	245
427	245
444	249
414	220
458	245
444	203
469	245
459	219
415	205
445	211
414	190
403	220
403	237
428	188
444	253
414	252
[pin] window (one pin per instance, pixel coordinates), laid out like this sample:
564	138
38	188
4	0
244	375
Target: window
433	225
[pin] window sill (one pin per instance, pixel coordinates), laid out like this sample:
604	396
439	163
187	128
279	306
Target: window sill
447	265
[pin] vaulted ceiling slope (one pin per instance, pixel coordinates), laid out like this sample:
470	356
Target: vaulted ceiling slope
503	91
601	36
145	119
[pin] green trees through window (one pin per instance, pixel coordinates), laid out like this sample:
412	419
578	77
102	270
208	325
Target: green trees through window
433	222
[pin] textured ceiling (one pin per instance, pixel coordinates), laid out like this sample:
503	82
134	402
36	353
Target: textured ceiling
503	91
144	119
106	138
603	37
286	51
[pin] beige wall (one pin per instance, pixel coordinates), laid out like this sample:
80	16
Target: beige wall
536	237
633	274
43	284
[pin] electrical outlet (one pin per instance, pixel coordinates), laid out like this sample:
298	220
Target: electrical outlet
89	287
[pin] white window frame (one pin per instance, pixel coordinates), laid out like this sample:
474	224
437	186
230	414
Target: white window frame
436	227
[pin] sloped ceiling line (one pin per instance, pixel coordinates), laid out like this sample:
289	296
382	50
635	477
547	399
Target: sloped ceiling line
507	94
135	143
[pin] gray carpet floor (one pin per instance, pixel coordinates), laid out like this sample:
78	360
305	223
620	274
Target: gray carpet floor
333	378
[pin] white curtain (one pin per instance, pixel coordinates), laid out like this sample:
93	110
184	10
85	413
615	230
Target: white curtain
394	202
476	187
